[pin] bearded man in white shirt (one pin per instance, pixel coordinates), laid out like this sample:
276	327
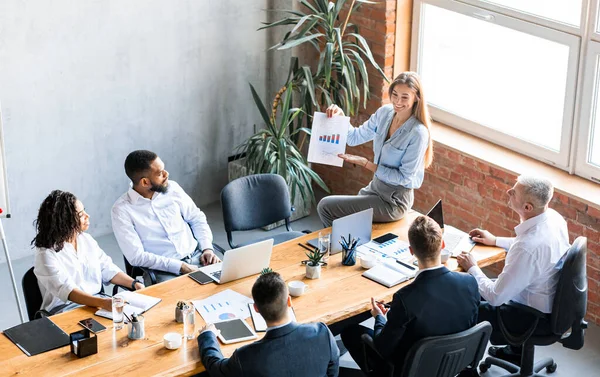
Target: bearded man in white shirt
530	273
157	225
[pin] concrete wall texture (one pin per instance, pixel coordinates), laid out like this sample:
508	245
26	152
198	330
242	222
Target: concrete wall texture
83	83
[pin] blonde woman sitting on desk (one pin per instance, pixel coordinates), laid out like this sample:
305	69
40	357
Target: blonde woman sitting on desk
69	264
403	150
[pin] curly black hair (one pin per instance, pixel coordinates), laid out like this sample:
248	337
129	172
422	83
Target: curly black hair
138	163
57	221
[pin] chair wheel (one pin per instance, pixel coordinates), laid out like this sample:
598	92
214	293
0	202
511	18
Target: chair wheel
483	367
551	368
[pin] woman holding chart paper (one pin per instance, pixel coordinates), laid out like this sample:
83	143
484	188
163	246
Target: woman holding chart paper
403	150
69	265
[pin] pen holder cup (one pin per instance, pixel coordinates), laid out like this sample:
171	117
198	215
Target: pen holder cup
136	329
349	257
83	343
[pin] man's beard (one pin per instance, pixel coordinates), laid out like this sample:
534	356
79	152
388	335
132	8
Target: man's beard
160	188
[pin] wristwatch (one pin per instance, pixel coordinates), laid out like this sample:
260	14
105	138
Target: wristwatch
133	285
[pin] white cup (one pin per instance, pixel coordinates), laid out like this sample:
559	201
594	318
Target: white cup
172	340
445	254
368	261
296	288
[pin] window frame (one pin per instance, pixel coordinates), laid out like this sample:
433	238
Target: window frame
559	159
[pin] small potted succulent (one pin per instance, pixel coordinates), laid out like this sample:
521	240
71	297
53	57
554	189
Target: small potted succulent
179	311
266	270
313	265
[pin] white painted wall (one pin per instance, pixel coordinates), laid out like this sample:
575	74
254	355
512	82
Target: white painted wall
84	82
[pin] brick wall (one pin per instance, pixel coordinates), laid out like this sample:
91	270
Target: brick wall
474	191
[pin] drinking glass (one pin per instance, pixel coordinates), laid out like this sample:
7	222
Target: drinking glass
189	321
117	312
324	245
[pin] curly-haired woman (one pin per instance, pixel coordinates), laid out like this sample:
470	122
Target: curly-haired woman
70	266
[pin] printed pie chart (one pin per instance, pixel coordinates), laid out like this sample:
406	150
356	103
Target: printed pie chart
226	316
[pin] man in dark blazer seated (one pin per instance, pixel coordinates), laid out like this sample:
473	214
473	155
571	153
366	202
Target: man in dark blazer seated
437	302
288	349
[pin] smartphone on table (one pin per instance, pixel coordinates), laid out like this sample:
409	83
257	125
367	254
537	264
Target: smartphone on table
92	325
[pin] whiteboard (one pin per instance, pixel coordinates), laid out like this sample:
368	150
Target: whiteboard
4	204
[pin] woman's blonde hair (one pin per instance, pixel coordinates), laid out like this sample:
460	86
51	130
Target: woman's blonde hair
420	109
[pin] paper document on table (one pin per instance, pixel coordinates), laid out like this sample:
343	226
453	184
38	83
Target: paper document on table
396	249
328	139
224	305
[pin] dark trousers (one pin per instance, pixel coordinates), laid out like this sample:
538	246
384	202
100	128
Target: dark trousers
516	321
351	336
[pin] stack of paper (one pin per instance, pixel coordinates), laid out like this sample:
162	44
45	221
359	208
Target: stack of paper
224	305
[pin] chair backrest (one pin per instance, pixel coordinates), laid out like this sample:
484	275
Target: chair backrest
570	301
254	201
447	355
32	293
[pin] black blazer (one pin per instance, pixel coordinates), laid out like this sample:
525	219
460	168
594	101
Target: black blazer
437	302
294	350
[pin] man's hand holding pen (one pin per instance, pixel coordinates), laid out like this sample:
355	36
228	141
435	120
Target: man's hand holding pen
378	308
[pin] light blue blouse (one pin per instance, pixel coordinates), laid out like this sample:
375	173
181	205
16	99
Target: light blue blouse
400	159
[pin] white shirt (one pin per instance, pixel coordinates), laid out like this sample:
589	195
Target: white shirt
58	273
530	274
155	233
429	269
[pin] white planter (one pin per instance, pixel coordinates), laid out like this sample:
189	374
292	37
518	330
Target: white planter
313	272
237	169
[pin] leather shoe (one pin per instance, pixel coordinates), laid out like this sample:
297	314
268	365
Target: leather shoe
506	353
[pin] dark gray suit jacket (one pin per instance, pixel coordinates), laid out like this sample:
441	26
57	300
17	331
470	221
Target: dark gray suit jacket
294	350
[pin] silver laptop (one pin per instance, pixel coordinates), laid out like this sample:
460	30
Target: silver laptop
455	239
241	262
359	225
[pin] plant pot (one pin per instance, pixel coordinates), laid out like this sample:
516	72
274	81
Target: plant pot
349	257
237	169
313	272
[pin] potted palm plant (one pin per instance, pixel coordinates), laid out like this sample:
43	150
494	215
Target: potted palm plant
271	150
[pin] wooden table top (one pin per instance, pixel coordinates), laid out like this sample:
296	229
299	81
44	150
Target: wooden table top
340	293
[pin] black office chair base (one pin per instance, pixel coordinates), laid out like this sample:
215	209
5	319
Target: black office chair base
547	363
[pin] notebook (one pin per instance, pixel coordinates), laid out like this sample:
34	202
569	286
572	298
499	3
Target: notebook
37	336
137	303
390	273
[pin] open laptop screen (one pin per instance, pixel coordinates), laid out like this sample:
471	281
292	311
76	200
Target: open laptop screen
437	214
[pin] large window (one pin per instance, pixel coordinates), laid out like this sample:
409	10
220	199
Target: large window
522	74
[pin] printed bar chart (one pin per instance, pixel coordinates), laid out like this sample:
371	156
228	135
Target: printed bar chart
333	139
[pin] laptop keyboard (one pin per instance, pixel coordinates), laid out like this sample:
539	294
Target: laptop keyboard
216	274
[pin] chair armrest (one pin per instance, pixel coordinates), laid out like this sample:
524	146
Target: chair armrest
218	248
306	231
117	286
41	313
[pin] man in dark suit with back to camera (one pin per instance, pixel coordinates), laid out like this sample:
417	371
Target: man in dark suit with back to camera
437	302
288	349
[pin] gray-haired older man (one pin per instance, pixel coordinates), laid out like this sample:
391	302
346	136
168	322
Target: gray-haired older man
530	273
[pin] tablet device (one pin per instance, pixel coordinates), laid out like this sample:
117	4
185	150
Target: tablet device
200	277
92	325
385	238
234	330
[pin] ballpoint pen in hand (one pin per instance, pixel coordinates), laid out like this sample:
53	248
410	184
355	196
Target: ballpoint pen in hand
384	304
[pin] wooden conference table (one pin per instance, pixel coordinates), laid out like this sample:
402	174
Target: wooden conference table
340	293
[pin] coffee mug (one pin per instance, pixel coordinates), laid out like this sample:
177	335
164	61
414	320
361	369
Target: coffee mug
172	340
445	254
296	288
368	261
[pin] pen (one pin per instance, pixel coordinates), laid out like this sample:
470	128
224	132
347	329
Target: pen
304	246
405	265
384	304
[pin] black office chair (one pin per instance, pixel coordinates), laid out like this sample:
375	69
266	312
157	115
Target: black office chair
34	299
440	356
255	201
135	271
568	311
